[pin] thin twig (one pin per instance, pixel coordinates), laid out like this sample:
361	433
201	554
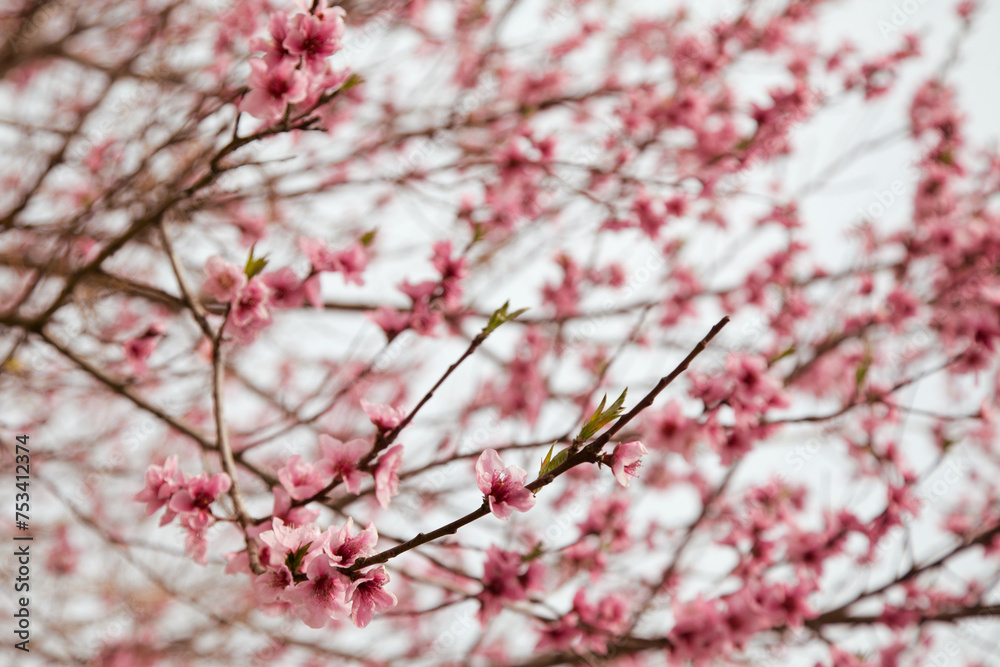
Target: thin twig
588	454
226	450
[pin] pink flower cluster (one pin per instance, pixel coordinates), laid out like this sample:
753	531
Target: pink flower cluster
251	300
351	263
428	297
140	348
506	578
587	626
294	68
751	391
526	387
705	629
304	573
339	460
187	497
522	162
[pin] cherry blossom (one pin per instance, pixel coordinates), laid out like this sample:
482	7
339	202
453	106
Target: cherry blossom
285	540
197	493
340	460
223	280
344	547
506	578
225	229
162	481
368	595
386	477
273	88
139	349
625	461
384	417
314	38
320	598
300	479
284	289
503	487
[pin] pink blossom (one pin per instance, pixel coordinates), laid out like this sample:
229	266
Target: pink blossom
161	483
600	622
351	263
270	587
63	555
669	429
560	635
367	596
606	520
313	291
340	459
139	349
452	271
625	461
386	479
384	417
344	548
99	155
273	88
423	318
565	297
301	479
503	487
696	632
318	253
223	280
250	305
285	289
197	494
315	39
195	543
585	556
292	516
321	597
785	604
649	215
506	578
526	388
249	315
741	618
391	321
754	386
903	306
284	539
274	48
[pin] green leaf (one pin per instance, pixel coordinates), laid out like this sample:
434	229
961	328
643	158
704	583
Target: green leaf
499	316
368	237
535	553
602	417
294	562
862	372
545	461
551	464
255	264
787	353
352	80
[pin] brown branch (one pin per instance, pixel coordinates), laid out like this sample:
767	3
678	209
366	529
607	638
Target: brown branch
226	450
588	454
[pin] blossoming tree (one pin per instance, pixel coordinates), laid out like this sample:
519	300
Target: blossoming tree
320	321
